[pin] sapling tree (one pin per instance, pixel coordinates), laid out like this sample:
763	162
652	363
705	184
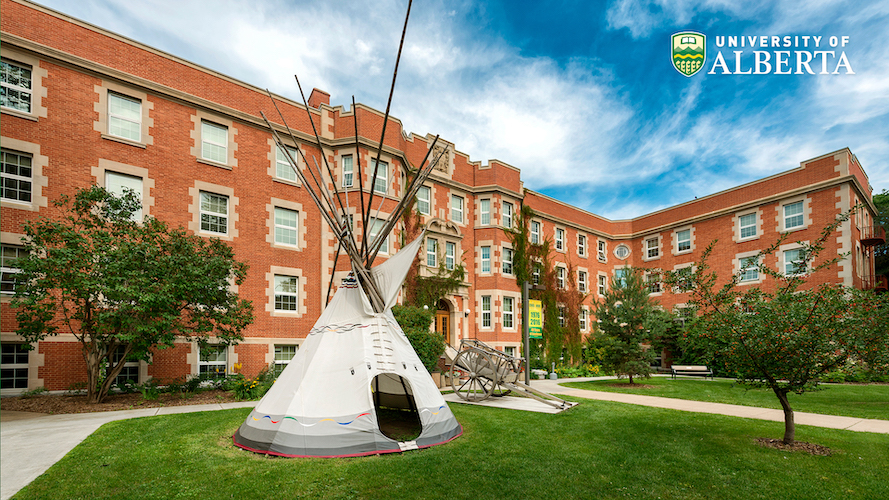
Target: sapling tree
784	339
122	286
628	322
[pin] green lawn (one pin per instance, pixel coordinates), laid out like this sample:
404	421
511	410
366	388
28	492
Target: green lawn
863	401
598	449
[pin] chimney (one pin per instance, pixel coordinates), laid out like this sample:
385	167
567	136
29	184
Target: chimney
318	98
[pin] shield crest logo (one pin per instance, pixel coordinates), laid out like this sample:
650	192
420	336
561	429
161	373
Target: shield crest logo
689	51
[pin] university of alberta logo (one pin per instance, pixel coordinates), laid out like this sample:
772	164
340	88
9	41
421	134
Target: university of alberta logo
689	52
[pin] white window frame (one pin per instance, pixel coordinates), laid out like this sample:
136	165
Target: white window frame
207	126
742	226
210	213
18	88
680	242
506	217
281	359
128	367
581	245
7	270
582	319
654	286
485	260
431	253
785	264
508	318
450	255
374	227
561	282
622	251
561	316
582	281
601	284
348	172
535	232
381	177
286	287
748	265
116	184
602	250
486	311
16	367
653	251
620	276
560	239
283	170
424	194
801	215
282	228
17	176
484	212
204	366
116	118
457	206
506	267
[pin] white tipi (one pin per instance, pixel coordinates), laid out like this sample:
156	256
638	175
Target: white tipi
356	362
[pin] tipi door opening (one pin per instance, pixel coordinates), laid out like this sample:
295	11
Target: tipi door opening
395	407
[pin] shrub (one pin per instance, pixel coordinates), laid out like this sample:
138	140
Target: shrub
255	388
416	321
150	391
34	392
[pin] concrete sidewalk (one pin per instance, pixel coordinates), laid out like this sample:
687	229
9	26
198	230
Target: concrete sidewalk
30	443
800	418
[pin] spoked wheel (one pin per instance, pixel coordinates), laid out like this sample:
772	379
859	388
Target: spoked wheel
472	375
504	369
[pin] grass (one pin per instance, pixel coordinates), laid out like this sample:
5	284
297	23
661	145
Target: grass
862	401
596	450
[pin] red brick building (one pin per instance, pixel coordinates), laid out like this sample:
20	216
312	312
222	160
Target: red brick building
84	106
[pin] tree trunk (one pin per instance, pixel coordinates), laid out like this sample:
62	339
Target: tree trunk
789	426
631	378
92	375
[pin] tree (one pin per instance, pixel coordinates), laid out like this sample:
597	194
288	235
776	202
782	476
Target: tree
881	253
783	340
415	321
628	322
123	287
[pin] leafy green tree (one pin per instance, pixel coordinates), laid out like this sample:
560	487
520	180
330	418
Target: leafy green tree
119	283
415	321
628	322
881	253
785	339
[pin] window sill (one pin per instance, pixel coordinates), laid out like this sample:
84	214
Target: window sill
214	163
221	236
283	246
19	114
794	229
649	259
749	238
283	181
286	314
19	205
123	140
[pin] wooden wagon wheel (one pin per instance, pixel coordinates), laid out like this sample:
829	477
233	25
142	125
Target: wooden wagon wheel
472	375
504	366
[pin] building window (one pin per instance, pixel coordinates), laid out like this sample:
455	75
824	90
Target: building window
381	180
348	179
286	288
283	355
450	255
214	142
509	350
508	312
652	248
535	274
535	233
560	277
581	281
9	256
581	245
283	170
507	215
749	269
651	281
620	277
561	317
685	281
602	251
15	86
431	252
129	372
793	215
17	176
507	261
376	225
286	224
794	262
683	240
603	284
582	317
486	260
124	117
14	362
118	184
213	361
484	211
214	213
486	311
747	223
456	208
621	251
423	205
560	239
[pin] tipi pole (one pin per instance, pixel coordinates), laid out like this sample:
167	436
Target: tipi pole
360	172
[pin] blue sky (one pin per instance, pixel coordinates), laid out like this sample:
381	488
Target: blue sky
581	95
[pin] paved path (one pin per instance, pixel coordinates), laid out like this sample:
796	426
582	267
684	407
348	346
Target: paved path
31	442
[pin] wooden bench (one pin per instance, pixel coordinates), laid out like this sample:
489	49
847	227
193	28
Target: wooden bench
690	370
